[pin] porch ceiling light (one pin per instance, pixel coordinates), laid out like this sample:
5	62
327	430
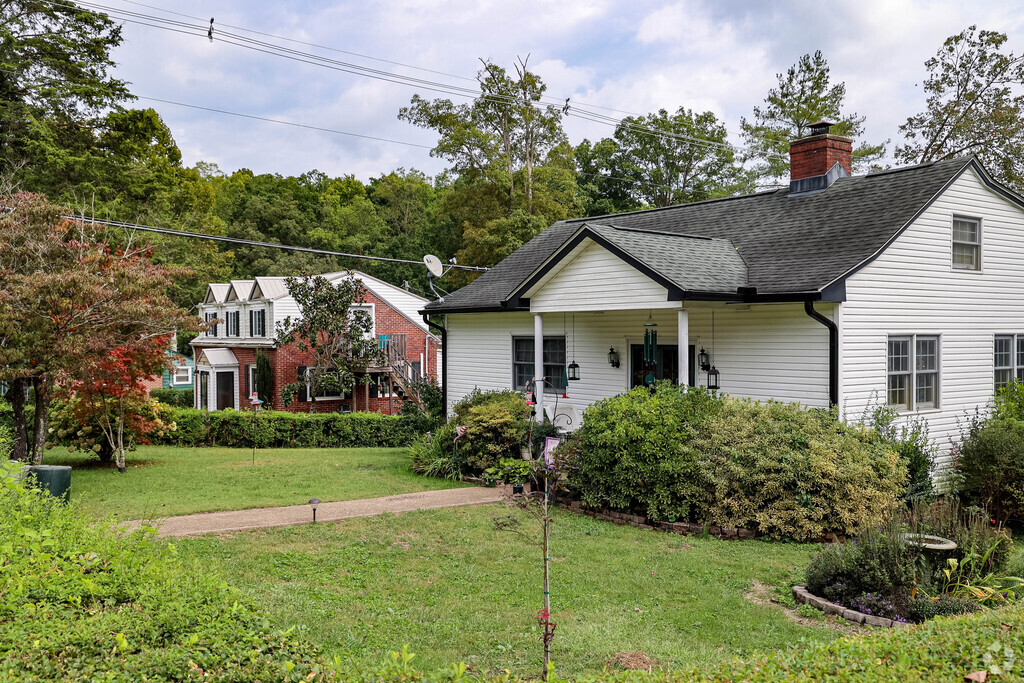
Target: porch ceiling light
703	360
613	357
713	378
572	372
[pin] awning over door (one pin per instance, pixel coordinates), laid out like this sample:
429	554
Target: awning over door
217	358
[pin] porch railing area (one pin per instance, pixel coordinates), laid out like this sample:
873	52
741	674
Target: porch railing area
400	370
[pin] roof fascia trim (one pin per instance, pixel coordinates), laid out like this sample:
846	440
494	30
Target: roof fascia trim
675	293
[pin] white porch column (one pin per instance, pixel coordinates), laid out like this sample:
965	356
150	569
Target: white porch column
683	345
538	363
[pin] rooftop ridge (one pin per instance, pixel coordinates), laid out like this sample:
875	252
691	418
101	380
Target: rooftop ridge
673	206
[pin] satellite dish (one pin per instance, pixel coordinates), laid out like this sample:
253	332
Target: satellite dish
434	265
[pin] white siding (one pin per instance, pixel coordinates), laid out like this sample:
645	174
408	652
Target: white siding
597	280
769	351
912	288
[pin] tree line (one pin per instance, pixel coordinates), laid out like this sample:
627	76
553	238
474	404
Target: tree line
68	130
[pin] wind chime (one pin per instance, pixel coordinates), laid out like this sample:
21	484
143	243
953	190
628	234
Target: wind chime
650	363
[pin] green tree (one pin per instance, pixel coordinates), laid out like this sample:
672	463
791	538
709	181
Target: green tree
803	95
974	106
603	192
338	338
54	62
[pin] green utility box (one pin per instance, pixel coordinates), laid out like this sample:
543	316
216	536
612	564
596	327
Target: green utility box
54	479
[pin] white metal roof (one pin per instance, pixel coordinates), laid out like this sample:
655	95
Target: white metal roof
217	358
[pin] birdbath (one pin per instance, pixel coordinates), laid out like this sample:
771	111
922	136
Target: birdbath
934	550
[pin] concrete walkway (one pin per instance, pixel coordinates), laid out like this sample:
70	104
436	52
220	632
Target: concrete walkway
264	518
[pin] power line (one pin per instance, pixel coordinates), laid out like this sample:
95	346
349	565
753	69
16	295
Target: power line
254	243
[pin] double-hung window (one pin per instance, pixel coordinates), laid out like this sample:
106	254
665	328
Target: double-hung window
1008	357
233	327
258	323
913	372
182	375
212	330
523	359
966	243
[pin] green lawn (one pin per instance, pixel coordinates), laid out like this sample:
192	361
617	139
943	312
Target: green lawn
454	588
163	481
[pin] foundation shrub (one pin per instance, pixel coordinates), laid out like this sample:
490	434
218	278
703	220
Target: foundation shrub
989	466
685	454
497	426
789	471
178	398
909	438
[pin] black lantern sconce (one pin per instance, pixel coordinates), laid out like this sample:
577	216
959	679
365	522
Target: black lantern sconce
572	372
703	360
613	357
713	378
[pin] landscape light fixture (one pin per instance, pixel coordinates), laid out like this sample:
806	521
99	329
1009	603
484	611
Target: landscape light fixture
314	502
613	357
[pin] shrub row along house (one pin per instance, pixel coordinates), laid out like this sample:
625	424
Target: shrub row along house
902	287
228	355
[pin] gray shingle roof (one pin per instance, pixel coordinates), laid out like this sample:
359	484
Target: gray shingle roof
796	244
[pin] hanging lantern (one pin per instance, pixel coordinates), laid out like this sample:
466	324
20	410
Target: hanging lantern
572	373
713	378
613	357
703	361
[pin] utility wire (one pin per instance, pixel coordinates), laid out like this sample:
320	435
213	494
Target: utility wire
254	243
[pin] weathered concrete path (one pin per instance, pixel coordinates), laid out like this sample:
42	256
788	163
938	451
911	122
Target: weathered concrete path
263	518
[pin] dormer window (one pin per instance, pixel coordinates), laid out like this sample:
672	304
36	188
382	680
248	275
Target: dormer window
258	323
233	327
966	243
212	330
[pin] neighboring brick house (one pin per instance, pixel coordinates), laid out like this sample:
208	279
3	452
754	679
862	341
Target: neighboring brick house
178	377
250	310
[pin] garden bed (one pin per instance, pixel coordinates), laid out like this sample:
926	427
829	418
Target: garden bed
801	596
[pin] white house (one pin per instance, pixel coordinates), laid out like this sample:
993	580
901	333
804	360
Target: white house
903	287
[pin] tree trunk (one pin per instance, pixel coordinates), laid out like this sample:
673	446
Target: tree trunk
17	394
42	388
547	579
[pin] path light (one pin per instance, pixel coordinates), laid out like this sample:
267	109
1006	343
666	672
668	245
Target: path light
314	502
613	357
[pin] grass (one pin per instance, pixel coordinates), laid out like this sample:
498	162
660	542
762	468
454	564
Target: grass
163	480
454	588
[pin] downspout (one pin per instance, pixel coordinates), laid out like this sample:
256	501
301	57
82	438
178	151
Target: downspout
833	351
444	363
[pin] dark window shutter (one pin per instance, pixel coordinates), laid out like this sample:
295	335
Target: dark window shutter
248	389
252	321
303	396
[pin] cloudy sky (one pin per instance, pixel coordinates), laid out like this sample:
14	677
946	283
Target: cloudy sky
615	58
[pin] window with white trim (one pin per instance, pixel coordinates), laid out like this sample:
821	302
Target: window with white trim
1008	359
966	243
554	362
182	375
258	323
912	381
233	324
212	330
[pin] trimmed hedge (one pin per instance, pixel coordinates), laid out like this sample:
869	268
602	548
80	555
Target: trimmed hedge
179	398
277	429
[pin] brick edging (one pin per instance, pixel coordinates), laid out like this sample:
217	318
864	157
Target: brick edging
801	596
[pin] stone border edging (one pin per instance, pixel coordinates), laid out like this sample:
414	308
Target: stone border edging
801	596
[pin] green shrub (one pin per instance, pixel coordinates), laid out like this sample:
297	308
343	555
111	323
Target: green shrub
83	601
924	608
177	398
278	429
433	455
876	563
67	429
909	438
989	467
972	531
635	452
794	472
777	468
497	426
1009	401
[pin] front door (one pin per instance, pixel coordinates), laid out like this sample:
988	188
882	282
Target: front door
225	390
667	368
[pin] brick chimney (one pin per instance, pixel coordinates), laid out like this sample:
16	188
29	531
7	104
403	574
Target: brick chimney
815	156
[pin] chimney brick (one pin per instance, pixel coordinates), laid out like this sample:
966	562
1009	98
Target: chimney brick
814	156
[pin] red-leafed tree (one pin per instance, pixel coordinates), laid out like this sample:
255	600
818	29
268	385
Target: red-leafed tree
68	296
113	394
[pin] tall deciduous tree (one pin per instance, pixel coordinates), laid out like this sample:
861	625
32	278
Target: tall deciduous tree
337	336
67	296
975	105
803	95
